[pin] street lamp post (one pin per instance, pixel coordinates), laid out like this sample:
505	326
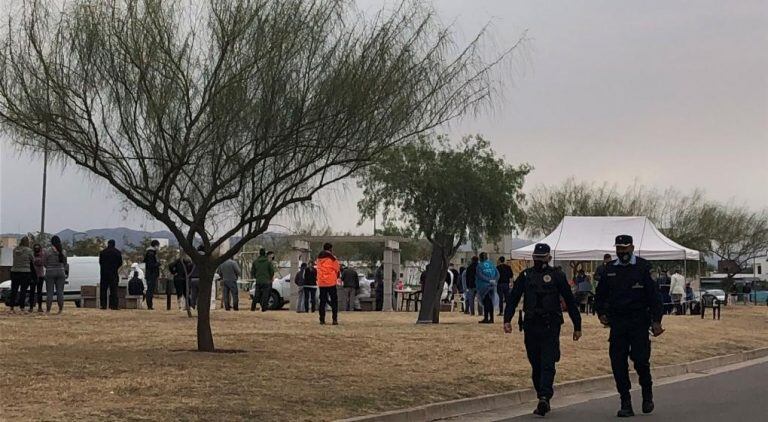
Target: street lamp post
45	181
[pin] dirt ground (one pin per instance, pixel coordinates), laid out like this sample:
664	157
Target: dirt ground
137	365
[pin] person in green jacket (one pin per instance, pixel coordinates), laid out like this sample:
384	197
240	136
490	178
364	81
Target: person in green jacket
262	272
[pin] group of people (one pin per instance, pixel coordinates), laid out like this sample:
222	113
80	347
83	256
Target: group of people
480	281
34	267
144	282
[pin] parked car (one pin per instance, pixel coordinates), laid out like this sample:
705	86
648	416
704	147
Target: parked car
83	271
718	293
280	294
281	290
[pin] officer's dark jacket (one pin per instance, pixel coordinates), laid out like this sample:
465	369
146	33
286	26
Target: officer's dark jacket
627	291
544	286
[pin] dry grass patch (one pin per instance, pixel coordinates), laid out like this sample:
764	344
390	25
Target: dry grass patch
137	365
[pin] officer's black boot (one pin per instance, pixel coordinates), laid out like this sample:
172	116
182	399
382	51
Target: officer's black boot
626	408
542	408
647	401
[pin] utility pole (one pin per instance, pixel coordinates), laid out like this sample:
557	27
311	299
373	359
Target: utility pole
45	181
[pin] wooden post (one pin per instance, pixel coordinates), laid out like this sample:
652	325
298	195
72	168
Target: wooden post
391	263
300	254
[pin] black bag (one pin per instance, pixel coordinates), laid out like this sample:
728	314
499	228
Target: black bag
135	286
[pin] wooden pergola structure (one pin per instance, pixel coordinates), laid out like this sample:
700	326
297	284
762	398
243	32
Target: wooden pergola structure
391	259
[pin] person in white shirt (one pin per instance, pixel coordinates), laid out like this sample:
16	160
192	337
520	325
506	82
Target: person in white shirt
677	290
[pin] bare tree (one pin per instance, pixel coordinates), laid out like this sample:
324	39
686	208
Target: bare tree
687	218
215	118
740	236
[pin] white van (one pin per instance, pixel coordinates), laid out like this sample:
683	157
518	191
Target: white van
83	271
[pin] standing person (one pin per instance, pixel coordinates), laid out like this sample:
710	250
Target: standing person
110	261
194	281
152	268
38	261
351	283
456	277
327	276
470	275
505	280
378	280
677	290
600	271
487	276
21	274
180	270
310	287
747	292
262	272
56	271
628	301
542	286
299	280
229	271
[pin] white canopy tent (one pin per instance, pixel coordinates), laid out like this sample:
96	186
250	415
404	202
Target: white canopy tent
589	238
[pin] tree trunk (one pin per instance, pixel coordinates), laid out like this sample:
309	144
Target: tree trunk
433	287
204	334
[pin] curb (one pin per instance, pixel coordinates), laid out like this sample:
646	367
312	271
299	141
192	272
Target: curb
454	408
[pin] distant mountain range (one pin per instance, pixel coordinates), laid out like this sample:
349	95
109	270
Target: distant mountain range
122	235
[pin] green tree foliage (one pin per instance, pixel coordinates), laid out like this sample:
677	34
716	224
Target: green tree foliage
448	194
89	246
216	117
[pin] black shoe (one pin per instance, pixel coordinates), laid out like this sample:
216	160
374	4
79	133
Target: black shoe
322	322
335	323
648	405
626	409
542	408
484	321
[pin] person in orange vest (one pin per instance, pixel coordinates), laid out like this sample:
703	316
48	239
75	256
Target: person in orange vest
328	268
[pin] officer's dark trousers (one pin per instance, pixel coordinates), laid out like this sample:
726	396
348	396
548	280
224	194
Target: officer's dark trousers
108	285
542	344
629	339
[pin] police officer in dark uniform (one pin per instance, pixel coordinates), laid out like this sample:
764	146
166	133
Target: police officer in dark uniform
542	286
627	299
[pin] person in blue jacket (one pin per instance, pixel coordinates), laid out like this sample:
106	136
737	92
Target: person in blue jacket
485	281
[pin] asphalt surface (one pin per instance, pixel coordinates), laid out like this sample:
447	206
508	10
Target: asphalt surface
738	395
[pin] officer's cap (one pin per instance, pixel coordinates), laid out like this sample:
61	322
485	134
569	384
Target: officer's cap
623	240
541	249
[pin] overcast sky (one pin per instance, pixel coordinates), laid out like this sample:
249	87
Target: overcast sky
668	93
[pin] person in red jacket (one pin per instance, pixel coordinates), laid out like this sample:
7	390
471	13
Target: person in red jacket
328	268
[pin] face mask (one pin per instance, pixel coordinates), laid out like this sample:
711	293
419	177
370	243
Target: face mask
539	264
624	256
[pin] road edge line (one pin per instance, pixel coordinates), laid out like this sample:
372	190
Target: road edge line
490	402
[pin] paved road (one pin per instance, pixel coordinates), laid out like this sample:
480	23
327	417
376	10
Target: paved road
738	395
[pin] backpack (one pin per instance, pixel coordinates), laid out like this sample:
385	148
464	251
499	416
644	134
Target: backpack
135	286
